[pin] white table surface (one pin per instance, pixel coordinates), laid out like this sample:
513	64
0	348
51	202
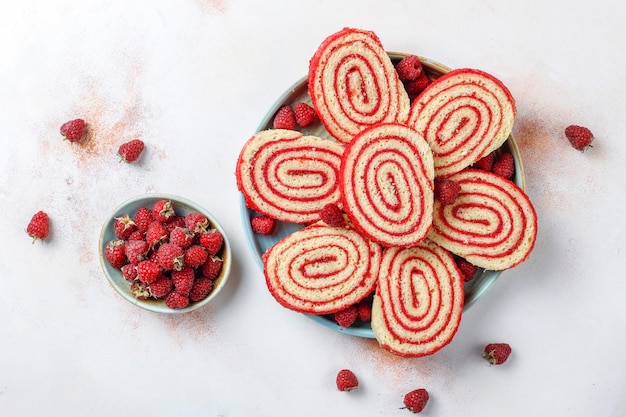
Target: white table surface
193	79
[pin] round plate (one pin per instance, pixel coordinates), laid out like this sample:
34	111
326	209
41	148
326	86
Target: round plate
474	289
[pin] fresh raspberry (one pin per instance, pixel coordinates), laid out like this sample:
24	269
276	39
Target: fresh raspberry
416	86
74	130
346	380
212	267
143	218
161	287
174	222
195	256
130	151
170	257
163	210
137	235
504	166
446	190
364	311
416	400
140	290
497	353
129	271
305	115
468	270
409	68
332	215
201	288
39	226
148	271
285	118
115	254
181	237
156	234
212	241
486	162
183	280
263	225
176	300
346	317
136	250
197	223
124	226
579	137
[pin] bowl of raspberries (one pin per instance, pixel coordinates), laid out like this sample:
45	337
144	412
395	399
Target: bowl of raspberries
164	253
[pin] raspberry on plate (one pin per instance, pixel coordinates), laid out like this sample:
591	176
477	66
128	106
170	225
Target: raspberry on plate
285	118
346	317
305	115
263	225
332	215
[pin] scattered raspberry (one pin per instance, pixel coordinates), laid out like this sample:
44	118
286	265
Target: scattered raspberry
364	311
504	166
143	218
148	271
263	225
486	162
332	215
163	210
183	280
468	270
416	400
212	267
136	250
170	257
129	271
497	353
201	288
446	190
176	300
195	256
39	226
409	68
115	253
124	226
197	223
579	137
413	88
181	237
156	234
74	130
130	151
285	118
346	317
305	115
212	241
346	380
161	287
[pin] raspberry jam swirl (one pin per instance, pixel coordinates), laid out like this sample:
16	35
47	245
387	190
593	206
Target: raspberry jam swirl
419	300
353	84
321	269
288	176
387	184
491	224
463	115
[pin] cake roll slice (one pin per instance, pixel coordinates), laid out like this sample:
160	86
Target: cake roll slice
353	84
463	115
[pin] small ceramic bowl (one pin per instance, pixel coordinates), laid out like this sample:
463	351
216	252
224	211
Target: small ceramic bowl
182	206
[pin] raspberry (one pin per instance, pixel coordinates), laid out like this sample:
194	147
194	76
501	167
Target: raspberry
416	400
497	353
114	253
143	218
39	226
148	271
409	68
285	118
74	130
140	290
183	280
123	226
416	86
137	235
201	288
486	162
212	267
446	190
579	137
136	250
263	225
504	166
346	380
129	271
346	317
130	151
364	311
156	234
170	257
195	256
332	215
176	300
181	237
163	210
197	223
174	222
161	287
468	270
212	241
305	115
